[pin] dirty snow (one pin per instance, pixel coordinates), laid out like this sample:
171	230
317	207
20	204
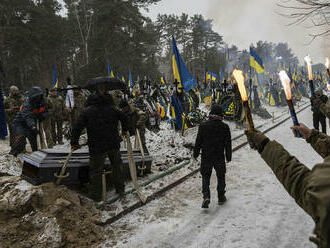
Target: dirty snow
259	212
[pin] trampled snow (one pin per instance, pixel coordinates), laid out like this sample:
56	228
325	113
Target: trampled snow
258	213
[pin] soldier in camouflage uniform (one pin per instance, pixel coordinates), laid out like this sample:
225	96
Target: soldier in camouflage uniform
117	96
54	123
136	120
79	102
309	187
12	106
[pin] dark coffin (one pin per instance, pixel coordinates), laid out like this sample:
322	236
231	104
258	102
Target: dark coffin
39	167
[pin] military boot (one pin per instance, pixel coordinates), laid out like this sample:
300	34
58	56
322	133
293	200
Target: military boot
206	203
222	199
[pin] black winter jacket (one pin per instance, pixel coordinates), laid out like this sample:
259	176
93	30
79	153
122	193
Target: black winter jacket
214	139
101	118
33	109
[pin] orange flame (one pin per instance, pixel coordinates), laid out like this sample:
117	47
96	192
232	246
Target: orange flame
239	77
327	62
286	84
309	67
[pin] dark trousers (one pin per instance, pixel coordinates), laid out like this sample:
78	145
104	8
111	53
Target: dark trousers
19	140
96	166
317	119
206	171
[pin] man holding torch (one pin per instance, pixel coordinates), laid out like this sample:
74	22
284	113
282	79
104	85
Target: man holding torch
310	188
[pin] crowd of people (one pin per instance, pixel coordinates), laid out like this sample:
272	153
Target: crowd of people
101	112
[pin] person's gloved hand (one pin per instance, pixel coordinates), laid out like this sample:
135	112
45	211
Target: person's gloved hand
35	130
256	139
303	129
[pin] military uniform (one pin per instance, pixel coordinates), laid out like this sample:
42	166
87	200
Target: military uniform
136	120
310	188
79	104
12	106
54	121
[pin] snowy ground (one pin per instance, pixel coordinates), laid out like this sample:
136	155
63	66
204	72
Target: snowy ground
259	212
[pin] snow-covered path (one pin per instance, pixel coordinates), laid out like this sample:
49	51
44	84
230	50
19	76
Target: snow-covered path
259	212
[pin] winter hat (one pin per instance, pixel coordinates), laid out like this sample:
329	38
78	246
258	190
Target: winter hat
216	109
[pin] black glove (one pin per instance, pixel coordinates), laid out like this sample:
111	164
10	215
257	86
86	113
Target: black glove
35	130
256	139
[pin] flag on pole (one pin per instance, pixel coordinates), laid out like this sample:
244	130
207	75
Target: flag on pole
222	75
163	79
256	62
110	72
180	71
55	79
3	124
130	81
210	76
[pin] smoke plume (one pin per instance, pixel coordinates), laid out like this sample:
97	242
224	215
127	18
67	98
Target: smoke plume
243	22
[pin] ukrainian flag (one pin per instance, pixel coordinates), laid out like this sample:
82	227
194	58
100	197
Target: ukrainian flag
210	76
163	80
55	79
180	71
256	62
130	81
110	72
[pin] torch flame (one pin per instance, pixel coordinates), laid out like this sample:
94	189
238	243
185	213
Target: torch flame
285	83
327	62
239	77
309	67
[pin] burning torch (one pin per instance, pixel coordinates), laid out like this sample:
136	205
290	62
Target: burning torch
238	75
310	74
286	86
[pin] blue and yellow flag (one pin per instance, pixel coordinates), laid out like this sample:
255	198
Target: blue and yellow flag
163	79
110	72
210	76
55	79
256	62
222	75
180	71
130	81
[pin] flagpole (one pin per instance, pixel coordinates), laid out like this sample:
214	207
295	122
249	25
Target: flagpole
250	89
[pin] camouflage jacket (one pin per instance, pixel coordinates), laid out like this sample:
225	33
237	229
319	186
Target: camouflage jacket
12	106
136	119
325	109
310	188
56	107
79	101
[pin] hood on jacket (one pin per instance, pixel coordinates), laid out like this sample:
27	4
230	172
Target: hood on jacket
35	92
99	100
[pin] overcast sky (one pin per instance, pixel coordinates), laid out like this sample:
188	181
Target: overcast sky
242	22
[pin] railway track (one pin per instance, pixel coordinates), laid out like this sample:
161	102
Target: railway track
238	143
